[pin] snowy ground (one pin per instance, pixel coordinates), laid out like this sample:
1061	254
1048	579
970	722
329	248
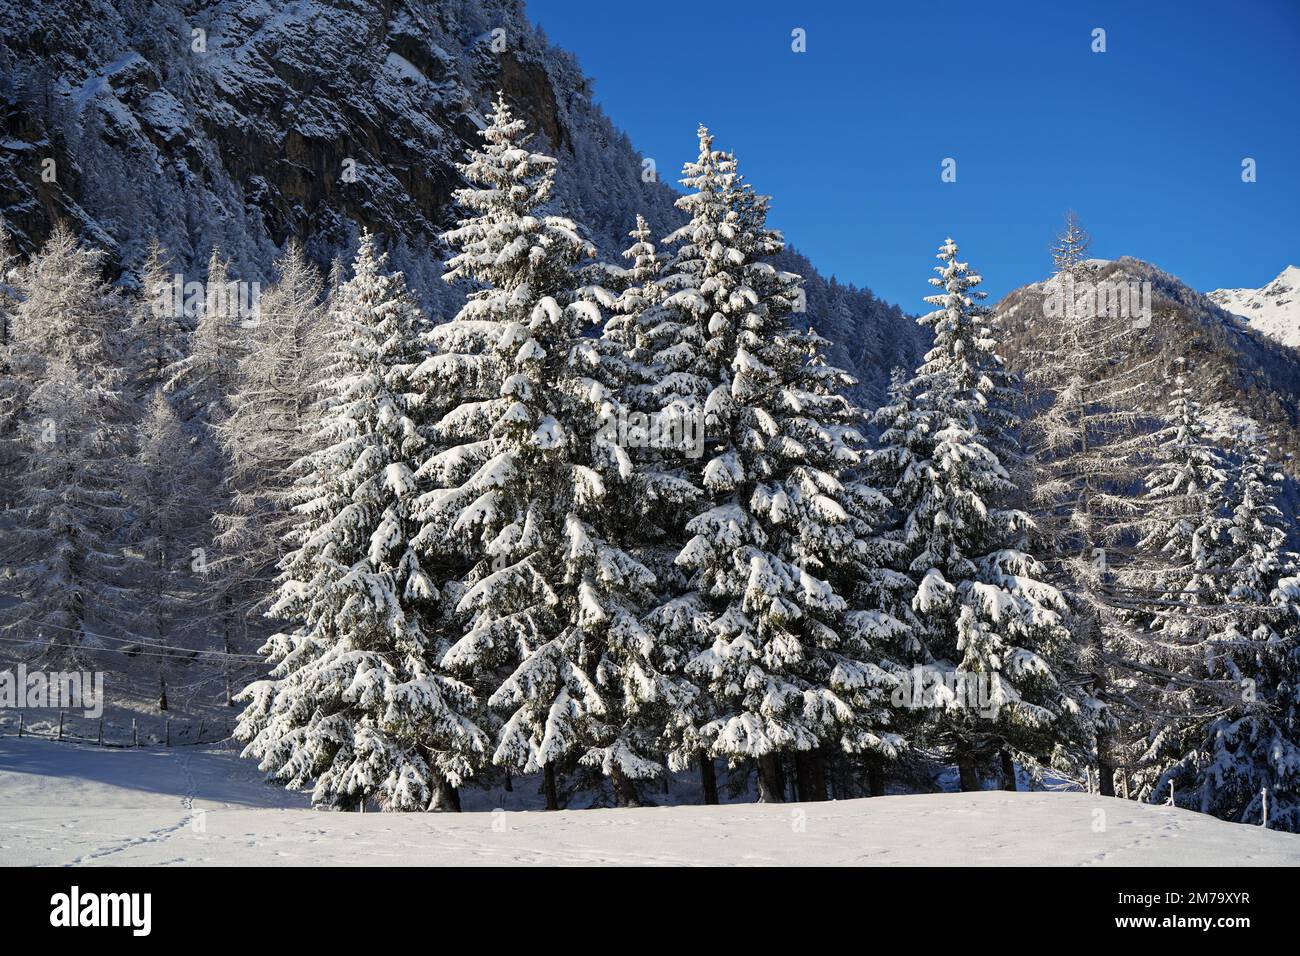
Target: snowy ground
74	804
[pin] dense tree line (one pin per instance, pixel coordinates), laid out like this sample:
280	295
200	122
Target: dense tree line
615	520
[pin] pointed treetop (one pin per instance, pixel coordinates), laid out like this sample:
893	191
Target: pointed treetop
1071	247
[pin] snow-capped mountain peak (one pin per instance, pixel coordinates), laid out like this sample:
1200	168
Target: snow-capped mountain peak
1273	310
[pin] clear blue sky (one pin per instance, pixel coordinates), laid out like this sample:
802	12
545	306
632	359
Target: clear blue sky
1144	141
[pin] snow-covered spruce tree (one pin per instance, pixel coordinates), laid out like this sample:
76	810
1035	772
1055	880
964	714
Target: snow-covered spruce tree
356	703
1220	720
658	432
1173	586
165	522
61	547
986	625
1254	746
783	659
523	477
270	428
683	381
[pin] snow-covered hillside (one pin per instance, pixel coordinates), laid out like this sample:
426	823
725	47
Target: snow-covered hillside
1232	362
1273	310
65	803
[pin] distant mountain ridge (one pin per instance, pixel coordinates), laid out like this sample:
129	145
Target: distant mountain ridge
1273	309
233	123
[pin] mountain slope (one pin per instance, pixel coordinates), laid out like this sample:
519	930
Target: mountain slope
1273	310
245	122
1228	362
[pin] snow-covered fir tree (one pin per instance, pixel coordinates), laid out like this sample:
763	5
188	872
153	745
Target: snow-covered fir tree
1173	587
1219	600
658	433
1250	754
523	478
356	702
987	629
784	663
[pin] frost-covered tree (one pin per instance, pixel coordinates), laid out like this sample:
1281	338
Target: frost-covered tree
1086	385
986	627
205	378
271	424
1070	253
165	522
69	504
8	286
12	388
356	702
524	477
202	383
783	660
159	328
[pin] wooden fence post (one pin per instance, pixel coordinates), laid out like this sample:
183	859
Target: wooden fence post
1264	794
60	725
101	731
200	740
135	738
169	731
20	723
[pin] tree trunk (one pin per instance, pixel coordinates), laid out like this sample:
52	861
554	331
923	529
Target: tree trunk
162	691
803	777
625	794
769	780
552	798
876	775
446	798
1008	771
969	779
709	778
1105	772
226	647
817	768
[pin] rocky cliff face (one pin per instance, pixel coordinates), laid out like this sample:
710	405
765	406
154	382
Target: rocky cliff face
243	123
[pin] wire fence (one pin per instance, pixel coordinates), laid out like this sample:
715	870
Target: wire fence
72	727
